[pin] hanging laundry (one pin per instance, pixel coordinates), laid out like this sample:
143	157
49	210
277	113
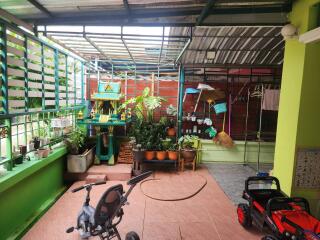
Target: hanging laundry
271	99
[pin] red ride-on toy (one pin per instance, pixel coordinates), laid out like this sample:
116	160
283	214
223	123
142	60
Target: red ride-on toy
287	218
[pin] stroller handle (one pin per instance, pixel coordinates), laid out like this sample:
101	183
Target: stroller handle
88	185
139	178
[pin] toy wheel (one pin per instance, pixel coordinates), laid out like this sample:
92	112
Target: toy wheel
269	238
244	216
132	236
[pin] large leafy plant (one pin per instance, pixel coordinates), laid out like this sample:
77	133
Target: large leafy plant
187	141
148	134
76	141
144	103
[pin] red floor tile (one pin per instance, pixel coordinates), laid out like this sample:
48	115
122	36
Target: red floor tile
209	215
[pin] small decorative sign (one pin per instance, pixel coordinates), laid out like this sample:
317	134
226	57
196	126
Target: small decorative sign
307	172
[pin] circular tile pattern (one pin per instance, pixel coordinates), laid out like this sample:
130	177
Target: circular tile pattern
174	188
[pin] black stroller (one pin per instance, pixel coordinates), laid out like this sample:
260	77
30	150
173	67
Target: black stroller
102	221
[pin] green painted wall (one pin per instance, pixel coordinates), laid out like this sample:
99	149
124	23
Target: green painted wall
299	112
27	191
212	152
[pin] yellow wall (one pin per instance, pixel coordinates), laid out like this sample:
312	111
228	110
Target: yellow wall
299	111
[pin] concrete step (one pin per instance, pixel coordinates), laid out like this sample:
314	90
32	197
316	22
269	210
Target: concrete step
118	172
95	178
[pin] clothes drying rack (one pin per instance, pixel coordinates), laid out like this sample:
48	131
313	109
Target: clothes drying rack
258	92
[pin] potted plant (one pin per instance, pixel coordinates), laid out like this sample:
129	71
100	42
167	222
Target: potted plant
150	152
169	126
187	147
81	155
137	133
36	143
172	151
43	132
138	153
171	131
43	152
161	153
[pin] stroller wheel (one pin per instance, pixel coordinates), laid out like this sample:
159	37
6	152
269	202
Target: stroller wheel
269	238
132	236
244	216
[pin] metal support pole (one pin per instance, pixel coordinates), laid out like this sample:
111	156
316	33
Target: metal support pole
260	126
246	130
112	72
180	103
82	83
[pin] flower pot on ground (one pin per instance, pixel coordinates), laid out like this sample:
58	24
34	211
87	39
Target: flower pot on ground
150	155
161	155
81	155
81	162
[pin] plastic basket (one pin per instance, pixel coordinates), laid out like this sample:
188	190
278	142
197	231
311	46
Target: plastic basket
220	108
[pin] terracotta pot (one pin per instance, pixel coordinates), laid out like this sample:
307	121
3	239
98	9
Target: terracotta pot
171	132
173	155
188	154
43	152
149	155
161	155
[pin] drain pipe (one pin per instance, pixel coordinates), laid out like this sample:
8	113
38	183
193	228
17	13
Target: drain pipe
180	103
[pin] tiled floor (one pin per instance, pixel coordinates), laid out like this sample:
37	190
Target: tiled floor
209	215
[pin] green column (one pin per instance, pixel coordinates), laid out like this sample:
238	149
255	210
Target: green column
298	119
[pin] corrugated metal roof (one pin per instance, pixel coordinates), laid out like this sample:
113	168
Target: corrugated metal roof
234	45
141	11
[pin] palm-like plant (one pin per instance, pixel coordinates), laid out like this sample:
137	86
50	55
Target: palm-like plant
144	103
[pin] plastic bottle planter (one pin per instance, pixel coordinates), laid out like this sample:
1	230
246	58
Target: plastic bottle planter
220	108
30	146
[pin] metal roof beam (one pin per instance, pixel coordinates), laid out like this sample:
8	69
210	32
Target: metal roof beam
159	17
97	48
40	7
159	59
242	66
124	43
127	7
205	12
